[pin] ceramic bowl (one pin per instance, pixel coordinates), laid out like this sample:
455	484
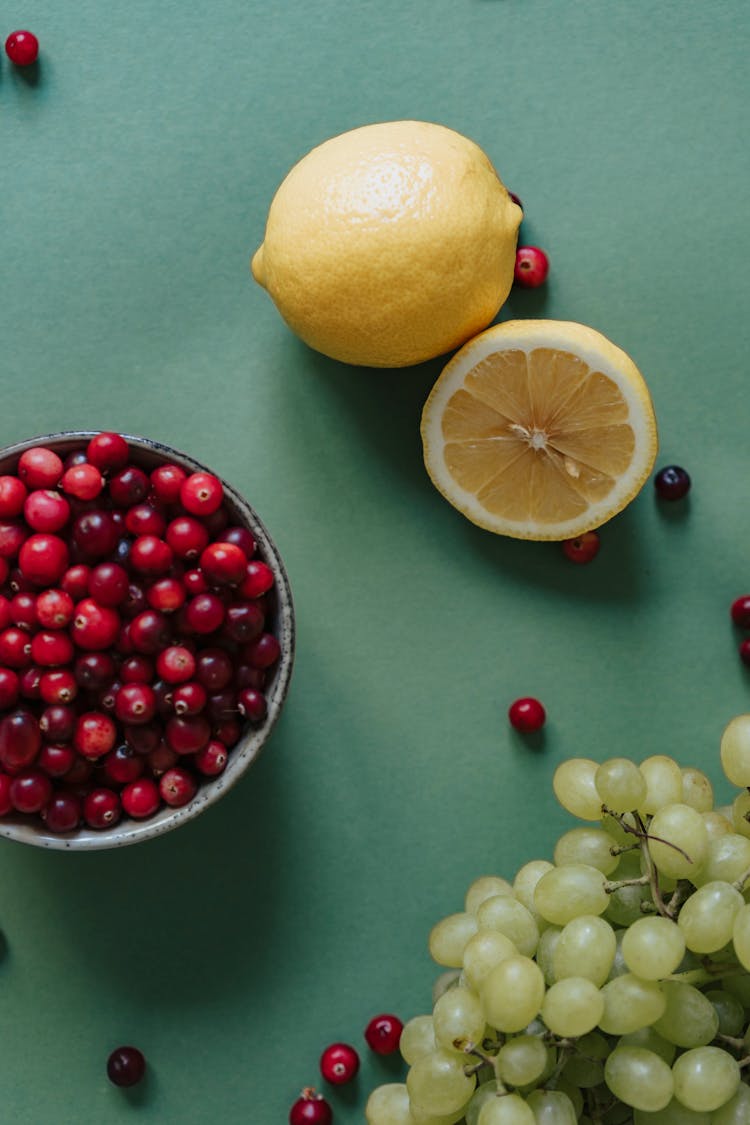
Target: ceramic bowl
148	454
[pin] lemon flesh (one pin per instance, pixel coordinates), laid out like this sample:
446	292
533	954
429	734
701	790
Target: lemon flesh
390	244
539	430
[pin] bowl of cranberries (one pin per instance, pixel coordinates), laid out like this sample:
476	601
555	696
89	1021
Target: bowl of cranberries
146	639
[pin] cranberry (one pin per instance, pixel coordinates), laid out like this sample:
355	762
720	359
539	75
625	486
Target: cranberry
95	627
79	774
31	682
135	703
175	664
95	734
109	584
144	737
527	714
40	468
189	734
213	668
5	618
252	704
55	760
740	611
50	649
135	602
101	808
108	451
9	688
15	648
583	548
224	564
383	1034
177	787
45	510
216	522
310	1109
22	611
228	732
205	613
75	581
672	483
201	494
151	556
6	805
244	621
258	579
222	705
264	652
12	537
149	631
166	482
12	497
93	670
166	595
4	571
43	559
161	759
129	486
194	582
532	267
142	519
187	537
22	48
122	765
30	791
95	534
212	759
20	740
58	686
137	669
140	799
57	721
744	651
189	699
339	1063
126	1066
54	609
241	538
515	199
82	482
63	812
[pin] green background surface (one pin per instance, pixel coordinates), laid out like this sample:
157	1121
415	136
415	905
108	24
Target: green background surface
136	169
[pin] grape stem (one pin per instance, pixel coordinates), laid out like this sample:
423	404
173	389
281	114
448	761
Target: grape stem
740	883
484	1060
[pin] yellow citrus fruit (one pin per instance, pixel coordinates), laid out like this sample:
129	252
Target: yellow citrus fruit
539	429
390	244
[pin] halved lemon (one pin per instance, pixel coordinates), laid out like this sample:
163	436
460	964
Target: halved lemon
539	429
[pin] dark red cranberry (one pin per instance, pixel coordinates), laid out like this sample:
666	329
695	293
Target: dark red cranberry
214	669
6	805
515	199
143	738
135	703
63	812
95	627
107	697
57	722
122	765
83	482
109	584
166	595
744	651
163	695
15	647
12	497
4	612
241	538
258	580
740	611
224	564
95	734
201	494
175	664
212	759
43	559
161	759
129	486
75	581
252	704
31	682
150	631
244	621
247	676
310	1109
20	740
9	688
188	735
126	1066
140	799
93	670
166	482
56	760
30	791
532	267
137	669
54	609
177	787
40	468
262	653
79	774
108	451
101	808
187	537
228	732
51	648
205	614
189	699
135	601
95	534
527	714
222	705
142	519
383	1034
339	1063
216	522
672	483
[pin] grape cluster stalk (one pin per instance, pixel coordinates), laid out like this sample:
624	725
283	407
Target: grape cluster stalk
609	986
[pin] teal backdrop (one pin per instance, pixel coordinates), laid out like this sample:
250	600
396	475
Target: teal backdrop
137	163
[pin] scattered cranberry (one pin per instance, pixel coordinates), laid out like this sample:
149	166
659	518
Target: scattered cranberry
310	1109
339	1063
515	199
126	1066
527	714
532	267
583	548
383	1034
672	483
740	611
22	48
745	652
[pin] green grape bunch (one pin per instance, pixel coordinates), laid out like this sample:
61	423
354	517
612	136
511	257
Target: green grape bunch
610	986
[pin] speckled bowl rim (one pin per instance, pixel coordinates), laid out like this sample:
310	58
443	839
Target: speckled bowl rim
248	749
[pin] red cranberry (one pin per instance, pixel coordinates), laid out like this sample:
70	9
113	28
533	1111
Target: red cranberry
310	1109
744	651
216	522
45	510
262	653
583	548
15	648
22	48
383	1034
43	559
224	564
244	621
55	760
107	698
12	497
126	1066
109	584
527	714
228	732
205	614
161	759
129	486
122	765
163	696
4	571
166	482
4	612
175	664
241	538
30	791
93	670
177	787
20	740
82	482
95	734
212	759
135	703
740	611
258	580
51	648
137	669
58	686
31	682
189	699
75	581
54	609
222	705
101	808
135	602
6	805
194	582
13	535
252	704
339	1063
40	468
142	519
201	494
108	451
95	627
79	774
188	735
9	688
187	537
213	668
532	267
672	483
63	812
149	631
23	611
151	556
95	534
140	799
166	595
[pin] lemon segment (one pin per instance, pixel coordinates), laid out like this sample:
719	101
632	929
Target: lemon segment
539	430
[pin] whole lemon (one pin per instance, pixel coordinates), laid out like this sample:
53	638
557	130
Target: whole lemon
390	244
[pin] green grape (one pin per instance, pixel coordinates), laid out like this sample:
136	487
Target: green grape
448	939
552	1107
508	916
417	1039
673	827
572	1007
567	892
526	880
389	1105
652	948
688	1019
587	845
729	1010
639	1078
572	1093
717	823
618	828
458	1019
574	787
727	858
585	948
630	1003
738	986
522	1060
741	935
507	1109
652	1041
707	917
445	981
741	813
736	1111
485	887
663	783
545	952
437	1083
620	784
485	950
585	1068
673	1114
705	1078
483	1093
512	994
734	751
697	790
